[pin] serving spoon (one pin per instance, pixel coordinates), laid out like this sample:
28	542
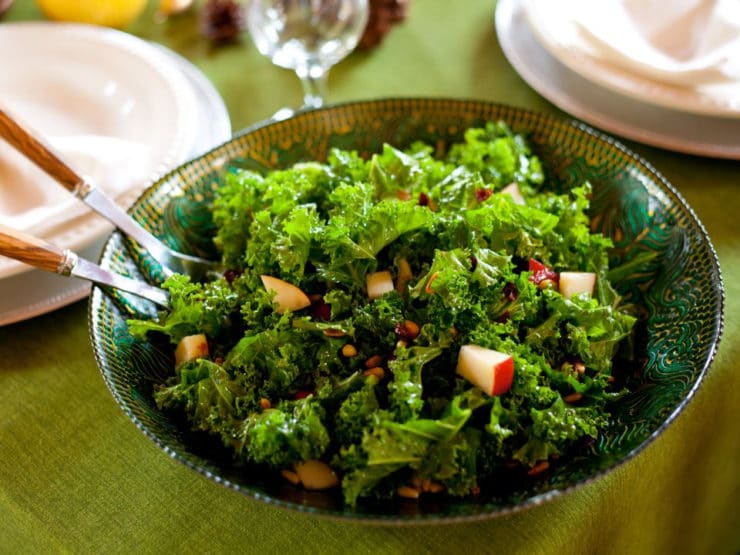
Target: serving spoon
38	253
43	155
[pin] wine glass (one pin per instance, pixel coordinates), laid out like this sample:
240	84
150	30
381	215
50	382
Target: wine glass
307	36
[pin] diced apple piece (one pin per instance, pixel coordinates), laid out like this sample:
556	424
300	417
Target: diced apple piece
488	370
379	283
316	475
191	347
573	283
512	189
287	295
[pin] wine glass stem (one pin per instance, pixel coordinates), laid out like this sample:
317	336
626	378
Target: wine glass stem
314	80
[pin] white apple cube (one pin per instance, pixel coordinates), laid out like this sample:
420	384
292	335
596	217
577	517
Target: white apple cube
512	189
574	283
379	283
287	295
191	347
490	371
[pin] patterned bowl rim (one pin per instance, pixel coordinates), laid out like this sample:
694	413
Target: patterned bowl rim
490	511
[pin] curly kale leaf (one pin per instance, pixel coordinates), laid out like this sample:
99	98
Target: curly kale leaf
292	432
209	396
555	428
355	414
194	308
581	328
438	449
406	387
500	155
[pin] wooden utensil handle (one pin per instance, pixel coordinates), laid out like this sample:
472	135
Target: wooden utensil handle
38	151
33	251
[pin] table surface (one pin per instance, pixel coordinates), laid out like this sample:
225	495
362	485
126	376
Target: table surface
77	476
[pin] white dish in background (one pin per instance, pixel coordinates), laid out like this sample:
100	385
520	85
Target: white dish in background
602	107
56	83
144	96
556	27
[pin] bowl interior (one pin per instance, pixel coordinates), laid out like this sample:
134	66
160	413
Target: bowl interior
679	292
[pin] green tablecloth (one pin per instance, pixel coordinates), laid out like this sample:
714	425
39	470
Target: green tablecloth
77	476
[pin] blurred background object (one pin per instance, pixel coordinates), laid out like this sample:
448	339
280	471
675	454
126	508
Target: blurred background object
384	14
307	36
111	13
167	8
4	5
222	21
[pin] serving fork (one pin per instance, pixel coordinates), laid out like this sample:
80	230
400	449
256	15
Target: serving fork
43	255
32	146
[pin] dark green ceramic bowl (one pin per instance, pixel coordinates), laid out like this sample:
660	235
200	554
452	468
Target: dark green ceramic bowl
680	292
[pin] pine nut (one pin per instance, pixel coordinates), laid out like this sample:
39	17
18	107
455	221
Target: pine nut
573	397
412	329
538	468
265	403
408	492
373	361
376	371
334	333
434	487
349	350
291	476
547	284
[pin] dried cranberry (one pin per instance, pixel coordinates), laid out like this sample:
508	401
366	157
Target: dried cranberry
473	263
482	194
302	394
322	310
510	292
540	272
230	275
423	199
402	331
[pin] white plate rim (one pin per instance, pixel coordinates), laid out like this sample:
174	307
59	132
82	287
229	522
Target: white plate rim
515	36
89	227
63	291
632	85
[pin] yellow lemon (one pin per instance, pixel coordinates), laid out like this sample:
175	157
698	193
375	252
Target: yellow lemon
111	13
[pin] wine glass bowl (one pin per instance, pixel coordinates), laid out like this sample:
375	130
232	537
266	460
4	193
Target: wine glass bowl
307	36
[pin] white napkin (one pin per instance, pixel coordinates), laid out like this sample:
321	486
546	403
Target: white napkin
680	42
33	202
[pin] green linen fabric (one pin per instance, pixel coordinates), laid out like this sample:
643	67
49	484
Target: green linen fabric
76	476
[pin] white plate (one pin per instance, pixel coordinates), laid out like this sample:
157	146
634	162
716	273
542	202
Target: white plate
91	92
553	26
176	82
628	117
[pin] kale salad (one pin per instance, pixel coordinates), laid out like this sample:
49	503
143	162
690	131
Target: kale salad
405	325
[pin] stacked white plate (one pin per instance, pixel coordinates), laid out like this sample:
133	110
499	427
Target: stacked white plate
121	110
591	60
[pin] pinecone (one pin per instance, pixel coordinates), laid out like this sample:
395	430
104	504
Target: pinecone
4	6
384	14
222	21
